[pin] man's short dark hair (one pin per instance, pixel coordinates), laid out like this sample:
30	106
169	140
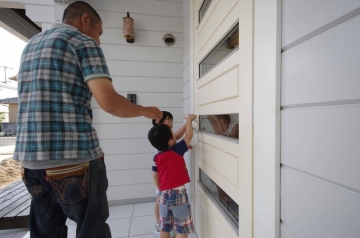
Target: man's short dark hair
77	9
159	136
166	115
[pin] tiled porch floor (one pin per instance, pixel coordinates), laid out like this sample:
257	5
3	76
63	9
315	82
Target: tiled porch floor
135	220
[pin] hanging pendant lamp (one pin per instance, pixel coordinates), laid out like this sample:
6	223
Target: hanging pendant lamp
128	28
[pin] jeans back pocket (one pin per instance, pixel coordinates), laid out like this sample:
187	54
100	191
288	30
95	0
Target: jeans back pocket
182	211
70	183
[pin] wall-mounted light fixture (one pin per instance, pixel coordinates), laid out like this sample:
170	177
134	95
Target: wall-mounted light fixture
128	28
169	39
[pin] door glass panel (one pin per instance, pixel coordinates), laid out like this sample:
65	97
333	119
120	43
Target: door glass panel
226	46
224	125
229	206
203	9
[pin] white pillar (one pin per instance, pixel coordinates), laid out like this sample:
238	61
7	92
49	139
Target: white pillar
267	62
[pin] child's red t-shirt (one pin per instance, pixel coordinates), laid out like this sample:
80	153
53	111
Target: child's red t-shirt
171	167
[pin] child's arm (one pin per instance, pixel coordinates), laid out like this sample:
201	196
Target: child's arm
180	132
189	128
156	179
235	132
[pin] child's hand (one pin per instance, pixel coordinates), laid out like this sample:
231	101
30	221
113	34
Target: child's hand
211	118
189	147
190	117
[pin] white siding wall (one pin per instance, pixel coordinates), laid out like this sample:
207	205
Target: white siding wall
148	69
320	119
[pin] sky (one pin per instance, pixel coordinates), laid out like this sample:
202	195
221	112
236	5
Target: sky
11	48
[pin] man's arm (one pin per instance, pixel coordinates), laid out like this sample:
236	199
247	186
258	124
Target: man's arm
156	179
189	128
110	101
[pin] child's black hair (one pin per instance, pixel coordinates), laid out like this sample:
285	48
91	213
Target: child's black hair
166	115
159	136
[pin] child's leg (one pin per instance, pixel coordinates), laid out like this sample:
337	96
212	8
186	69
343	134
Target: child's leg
164	234
181	235
182	216
166	218
157	215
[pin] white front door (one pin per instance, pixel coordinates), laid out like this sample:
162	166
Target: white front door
223	100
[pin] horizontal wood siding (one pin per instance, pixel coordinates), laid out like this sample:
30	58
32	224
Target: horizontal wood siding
325	73
324	141
318	14
320	119
148	69
316	208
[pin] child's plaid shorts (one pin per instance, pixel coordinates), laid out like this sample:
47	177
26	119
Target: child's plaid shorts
174	207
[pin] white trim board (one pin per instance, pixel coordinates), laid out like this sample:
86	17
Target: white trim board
267	61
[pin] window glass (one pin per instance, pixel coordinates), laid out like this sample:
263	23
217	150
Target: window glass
230	207
224	125
227	45
203	9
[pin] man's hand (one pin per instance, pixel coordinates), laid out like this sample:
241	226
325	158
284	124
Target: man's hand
153	113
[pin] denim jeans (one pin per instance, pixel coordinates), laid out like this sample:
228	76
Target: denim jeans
77	192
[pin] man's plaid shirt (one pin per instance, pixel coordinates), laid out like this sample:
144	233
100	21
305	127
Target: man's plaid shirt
54	123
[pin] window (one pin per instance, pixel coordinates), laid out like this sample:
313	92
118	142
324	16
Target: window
226	46
204	7
225	202
224	125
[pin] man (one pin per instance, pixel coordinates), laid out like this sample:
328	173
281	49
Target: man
64	168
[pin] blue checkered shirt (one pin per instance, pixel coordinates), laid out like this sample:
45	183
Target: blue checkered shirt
54	126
